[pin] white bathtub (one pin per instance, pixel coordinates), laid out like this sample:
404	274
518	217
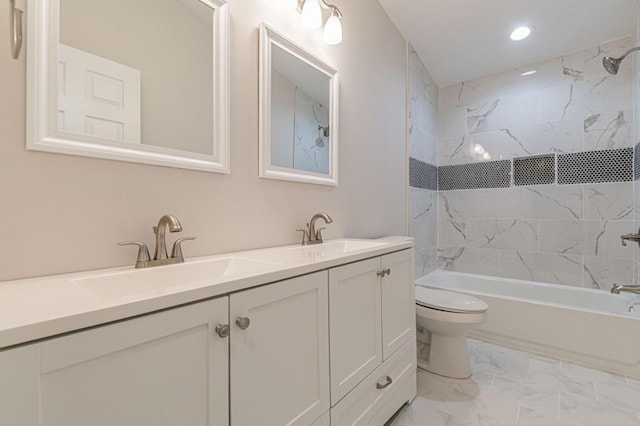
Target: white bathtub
590	327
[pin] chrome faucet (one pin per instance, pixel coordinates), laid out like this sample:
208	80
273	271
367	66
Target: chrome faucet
160	256
310	235
617	288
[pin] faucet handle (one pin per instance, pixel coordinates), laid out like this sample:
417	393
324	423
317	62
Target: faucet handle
176	251
143	251
319	234
305	236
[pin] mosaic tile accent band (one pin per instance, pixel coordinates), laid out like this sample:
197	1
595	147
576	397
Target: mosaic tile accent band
538	170
492	174
636	162
613	165
422	175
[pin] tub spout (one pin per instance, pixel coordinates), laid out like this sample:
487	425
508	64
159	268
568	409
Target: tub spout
617	288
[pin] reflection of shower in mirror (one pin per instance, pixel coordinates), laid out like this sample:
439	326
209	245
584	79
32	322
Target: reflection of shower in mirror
319	139
322	131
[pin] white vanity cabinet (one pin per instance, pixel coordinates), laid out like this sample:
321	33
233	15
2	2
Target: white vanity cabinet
372	325
330	345
173	367
280	361
166	368
19	386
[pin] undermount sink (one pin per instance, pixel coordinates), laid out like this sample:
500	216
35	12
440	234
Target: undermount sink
348	246
344	246
330	249
163	279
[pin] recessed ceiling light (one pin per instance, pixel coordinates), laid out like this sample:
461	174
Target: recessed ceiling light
520	33
528	73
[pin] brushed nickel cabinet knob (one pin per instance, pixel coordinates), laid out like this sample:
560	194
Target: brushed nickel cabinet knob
223	330
243	323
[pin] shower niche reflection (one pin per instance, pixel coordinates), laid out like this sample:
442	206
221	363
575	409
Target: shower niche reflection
298	102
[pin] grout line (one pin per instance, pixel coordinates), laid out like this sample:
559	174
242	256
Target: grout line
518	415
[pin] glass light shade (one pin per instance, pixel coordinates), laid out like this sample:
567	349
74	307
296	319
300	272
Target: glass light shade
311	14
287	5
332	31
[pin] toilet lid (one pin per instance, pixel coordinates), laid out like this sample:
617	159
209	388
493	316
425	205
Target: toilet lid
449	301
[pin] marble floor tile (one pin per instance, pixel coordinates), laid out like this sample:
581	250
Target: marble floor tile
551	374
540	398
623	396
481	408
633	383
588	412
529	417
511	387
421	412
503	360
434	388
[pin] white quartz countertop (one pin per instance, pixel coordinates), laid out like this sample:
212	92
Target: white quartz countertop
36	308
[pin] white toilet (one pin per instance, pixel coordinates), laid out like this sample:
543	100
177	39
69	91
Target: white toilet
448	316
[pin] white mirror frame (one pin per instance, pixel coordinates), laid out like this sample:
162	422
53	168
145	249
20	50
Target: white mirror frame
268	38
42	78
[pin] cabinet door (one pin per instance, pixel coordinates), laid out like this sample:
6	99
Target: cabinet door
280	360
355	324
19	386
398	301
169	368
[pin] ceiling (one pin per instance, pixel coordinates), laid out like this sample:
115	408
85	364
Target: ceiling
459	40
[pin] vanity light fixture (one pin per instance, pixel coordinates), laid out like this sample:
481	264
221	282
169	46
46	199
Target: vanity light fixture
311	18
311	14
520	33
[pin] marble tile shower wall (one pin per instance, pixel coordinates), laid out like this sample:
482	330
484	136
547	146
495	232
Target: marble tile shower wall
636	139
563	234
423	115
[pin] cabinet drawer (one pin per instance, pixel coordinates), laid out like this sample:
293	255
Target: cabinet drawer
361	405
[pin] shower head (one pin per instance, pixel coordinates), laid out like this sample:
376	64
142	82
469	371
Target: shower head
612	65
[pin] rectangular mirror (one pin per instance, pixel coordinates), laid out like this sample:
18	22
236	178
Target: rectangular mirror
135	80
298	113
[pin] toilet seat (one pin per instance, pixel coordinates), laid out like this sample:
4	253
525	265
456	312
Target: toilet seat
448	301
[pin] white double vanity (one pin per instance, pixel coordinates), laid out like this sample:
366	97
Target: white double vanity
312	335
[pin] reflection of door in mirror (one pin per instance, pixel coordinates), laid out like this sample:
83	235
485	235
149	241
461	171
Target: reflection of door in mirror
97	97
170	44
300	128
